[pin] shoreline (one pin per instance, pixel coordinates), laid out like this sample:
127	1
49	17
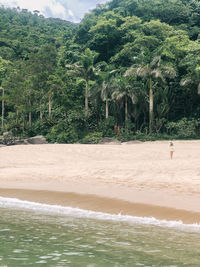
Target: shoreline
133	179
102	204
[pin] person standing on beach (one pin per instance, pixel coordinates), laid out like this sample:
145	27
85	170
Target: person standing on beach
171	149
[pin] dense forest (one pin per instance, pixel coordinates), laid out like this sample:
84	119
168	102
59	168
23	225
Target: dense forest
130	70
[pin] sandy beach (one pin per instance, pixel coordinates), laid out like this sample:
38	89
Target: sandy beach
132	178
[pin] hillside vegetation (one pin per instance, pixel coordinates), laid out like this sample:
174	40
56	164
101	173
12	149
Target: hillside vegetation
130	69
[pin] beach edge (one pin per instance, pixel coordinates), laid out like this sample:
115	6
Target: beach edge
102	204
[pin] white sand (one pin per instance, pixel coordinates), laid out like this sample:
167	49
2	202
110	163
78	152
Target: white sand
138	173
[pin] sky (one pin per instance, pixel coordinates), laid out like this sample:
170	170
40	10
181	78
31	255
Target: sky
71	10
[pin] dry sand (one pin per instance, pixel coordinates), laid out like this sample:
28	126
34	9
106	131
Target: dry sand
137	179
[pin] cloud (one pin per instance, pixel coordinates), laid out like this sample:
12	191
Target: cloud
54	9
72	10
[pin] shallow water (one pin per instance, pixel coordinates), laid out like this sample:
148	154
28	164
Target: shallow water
33	234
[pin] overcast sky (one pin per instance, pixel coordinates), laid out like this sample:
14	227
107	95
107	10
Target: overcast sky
72	10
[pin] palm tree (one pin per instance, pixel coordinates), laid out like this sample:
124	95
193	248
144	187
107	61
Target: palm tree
104	87
192	78
86	70
123	92
152	71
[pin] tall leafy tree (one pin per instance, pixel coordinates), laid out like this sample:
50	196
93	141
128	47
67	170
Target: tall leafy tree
3	68
54	84
152	69
105	36
104	86
191	63
85	68
42	65
124	92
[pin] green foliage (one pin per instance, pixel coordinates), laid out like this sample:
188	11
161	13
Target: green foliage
107	127
60	133
92	138
14	124
77	82
66	129
125	135
105	36
184	128
22	32
8	138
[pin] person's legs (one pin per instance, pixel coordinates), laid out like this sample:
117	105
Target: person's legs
171	154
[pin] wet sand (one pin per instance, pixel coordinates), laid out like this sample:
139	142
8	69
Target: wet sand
135	179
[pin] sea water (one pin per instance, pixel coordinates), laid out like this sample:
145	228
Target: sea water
33	234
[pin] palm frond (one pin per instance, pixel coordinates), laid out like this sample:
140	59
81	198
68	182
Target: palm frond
185	81
68	66
133	98
157	74
130	72
113	71
169	71
156	61
120	95
143	71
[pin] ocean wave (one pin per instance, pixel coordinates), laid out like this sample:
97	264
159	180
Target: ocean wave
14	203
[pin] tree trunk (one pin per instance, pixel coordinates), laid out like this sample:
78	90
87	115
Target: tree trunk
3	110
106	108
17	115
41	114
29	118
126	109
23	123
86	101
50	105
29	115
150	107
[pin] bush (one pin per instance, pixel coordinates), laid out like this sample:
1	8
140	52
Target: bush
67	129
184	128
107	127
125	135
8	138
92	138
60	133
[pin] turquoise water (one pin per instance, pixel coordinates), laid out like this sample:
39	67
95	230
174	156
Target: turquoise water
33	234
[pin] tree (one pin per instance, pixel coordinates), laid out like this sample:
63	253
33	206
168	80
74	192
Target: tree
152	69
192	78
85	67
20	93
105	35
191	64
42	64
54	84
3	67
124	92
104	86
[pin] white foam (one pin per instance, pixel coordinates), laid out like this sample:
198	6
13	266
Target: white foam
14	203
